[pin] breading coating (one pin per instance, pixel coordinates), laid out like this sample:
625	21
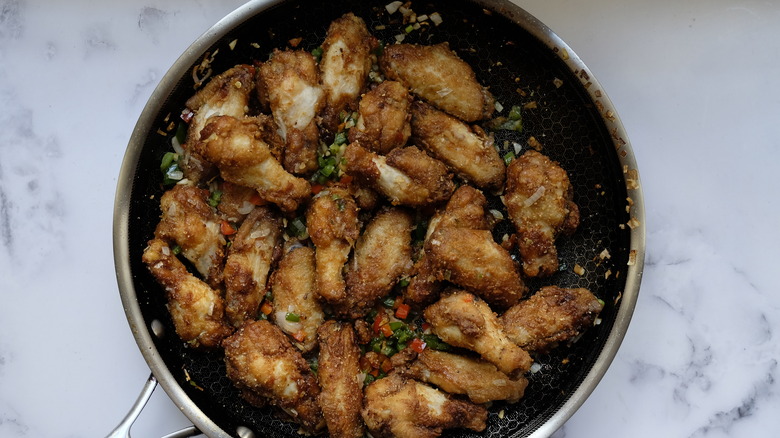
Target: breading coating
383	122
404	408
344	67
481	381
463	320
296	308
237	148
196	309
383	254
290	81
262	363
332	221
551	316
189	222
255	247
469	151
340	377
440	77
406	176
226	94
538	199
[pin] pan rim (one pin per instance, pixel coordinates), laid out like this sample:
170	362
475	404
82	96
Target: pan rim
141	330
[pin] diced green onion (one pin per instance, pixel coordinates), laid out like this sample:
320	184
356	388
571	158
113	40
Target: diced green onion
215	198
433	341
340	139
181	132
317	53
292	317
296	227
395	325
167	160
389	301
404	282
514	113
508	157
409	28
176	250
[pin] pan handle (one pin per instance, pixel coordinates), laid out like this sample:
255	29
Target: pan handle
123	429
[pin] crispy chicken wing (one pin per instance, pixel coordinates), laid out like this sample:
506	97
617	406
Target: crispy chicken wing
383	122
291	83
237	148
468	151
473	260
406	176
296	308
463	320
551	316
226	94
189	222
346	61
197	310
332	221
439	76
339	373
404	408
262	363
481	381
255	248
538	199
383	254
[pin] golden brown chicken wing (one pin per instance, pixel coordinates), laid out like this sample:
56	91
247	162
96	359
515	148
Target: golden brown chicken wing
383	122
237	148
463	320
190	223
226	94
383	254
406	176
346	61
538	199
197	310
262	363
333	225
255	247
468	151
404	408
296	308
290	81
481	381
551	316
339	374
440	77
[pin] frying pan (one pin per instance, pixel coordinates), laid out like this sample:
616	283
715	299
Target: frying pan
524	63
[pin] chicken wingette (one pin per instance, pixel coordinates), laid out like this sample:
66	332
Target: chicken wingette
538	199
383	122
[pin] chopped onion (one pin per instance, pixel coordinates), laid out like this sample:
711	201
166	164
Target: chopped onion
166	251
246	207
518	147
436	18
400	37
497	214
535	367
392	7
177	146
498	106
535	197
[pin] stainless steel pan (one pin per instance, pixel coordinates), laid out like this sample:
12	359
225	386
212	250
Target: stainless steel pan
521	60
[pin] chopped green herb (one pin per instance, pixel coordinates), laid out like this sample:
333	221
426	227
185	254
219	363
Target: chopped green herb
404	282
215	198
292	317
433	341
176	249
388	302
296	227
317	53
514	113
314	364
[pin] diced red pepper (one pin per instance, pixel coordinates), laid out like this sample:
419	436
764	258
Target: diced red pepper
426	326
227	229
299	336
316	188
402	312
255	199
417	345
468	298
386	330
374	372
386	365
346	179
267	308
377	323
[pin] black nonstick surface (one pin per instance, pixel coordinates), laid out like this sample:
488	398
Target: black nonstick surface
519	69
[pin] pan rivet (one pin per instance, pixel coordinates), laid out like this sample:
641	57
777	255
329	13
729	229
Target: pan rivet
158	328
244	432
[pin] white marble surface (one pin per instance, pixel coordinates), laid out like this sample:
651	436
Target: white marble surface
694	82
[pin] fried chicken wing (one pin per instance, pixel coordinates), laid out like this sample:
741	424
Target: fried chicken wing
406	176
404	408
256	246
189	222
339	374
290	81
551	316
383	122
481	381
472	260
463	320
296	308
262	363
226	94
333	225
196	309
383	253
538	199
439	76
243	158
346	61
468	151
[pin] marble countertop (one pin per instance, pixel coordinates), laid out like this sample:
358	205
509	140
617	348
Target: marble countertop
694	83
